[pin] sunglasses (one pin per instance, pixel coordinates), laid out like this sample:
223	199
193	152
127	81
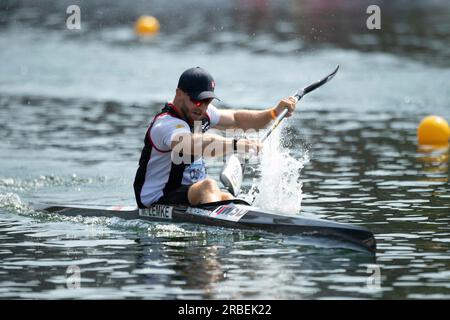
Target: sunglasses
199	103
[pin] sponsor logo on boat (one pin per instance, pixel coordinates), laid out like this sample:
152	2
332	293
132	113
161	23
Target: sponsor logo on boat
157	211
229	213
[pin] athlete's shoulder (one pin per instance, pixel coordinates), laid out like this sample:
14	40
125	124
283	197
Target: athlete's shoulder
212	108
213	115
168	121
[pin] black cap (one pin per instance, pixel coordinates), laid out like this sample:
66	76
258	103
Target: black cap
198	84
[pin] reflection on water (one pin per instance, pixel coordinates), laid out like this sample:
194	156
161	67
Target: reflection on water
435	162
172	263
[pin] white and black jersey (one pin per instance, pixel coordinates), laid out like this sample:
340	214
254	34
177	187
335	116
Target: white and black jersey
157	175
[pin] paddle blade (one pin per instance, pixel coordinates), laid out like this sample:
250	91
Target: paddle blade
231	175
319	83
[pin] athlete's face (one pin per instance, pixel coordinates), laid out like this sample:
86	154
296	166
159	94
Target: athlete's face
195	110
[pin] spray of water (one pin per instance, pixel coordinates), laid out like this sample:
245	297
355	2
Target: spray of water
11	202
278	187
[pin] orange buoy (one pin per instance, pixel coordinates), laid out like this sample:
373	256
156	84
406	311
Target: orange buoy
433	130
146	26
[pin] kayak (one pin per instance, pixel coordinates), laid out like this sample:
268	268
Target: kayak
234	213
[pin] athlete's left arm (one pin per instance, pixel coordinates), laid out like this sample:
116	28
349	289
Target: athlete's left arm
253	119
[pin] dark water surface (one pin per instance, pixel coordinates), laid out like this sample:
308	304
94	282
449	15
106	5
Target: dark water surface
74	106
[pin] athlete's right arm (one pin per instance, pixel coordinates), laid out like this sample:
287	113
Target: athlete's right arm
210	145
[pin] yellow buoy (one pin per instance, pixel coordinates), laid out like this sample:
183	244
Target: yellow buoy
146	26
433	130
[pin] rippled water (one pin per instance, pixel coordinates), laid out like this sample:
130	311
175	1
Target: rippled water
74	109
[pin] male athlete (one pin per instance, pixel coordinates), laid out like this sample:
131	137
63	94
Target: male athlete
165	175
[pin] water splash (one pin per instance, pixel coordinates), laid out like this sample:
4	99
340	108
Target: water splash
279	186
11	202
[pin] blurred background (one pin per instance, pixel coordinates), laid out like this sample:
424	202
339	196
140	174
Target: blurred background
75	105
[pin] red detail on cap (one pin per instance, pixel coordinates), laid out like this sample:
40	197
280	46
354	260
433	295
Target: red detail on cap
213	84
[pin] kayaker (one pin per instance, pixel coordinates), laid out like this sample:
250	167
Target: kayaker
171	167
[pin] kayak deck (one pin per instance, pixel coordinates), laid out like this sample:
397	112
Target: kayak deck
232	214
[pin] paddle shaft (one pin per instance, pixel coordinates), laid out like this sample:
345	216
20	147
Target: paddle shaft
275	124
